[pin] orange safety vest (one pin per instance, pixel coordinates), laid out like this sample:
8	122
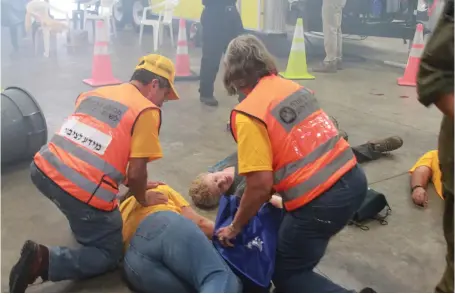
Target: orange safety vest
309	155
88	156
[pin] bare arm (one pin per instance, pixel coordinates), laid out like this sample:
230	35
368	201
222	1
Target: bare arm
445	105
207	226
421	176
257	192
137	178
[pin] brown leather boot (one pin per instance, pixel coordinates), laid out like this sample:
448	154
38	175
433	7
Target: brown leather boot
387	144
33	263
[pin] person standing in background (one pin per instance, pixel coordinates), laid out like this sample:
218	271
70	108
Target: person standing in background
435	86
332	15
220	23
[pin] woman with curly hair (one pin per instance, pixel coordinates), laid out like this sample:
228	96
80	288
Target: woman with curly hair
287	144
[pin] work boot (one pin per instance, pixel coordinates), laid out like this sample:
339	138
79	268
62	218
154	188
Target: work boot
326	67
210	101
33	263
386	145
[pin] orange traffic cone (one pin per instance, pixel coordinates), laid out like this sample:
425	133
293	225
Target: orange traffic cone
412	67
182	63
101	65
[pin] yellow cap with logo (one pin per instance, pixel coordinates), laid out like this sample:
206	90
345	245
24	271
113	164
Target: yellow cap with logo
162	66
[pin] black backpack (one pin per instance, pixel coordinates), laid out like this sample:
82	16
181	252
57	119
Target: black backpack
374	207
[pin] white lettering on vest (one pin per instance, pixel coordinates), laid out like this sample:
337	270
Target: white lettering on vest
85	136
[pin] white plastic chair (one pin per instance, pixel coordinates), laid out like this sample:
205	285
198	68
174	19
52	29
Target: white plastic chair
105	13
165	17
39	11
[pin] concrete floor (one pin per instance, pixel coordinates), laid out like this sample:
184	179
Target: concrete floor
405	256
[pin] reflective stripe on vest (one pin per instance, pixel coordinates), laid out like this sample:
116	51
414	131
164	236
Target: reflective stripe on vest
88	157
319	177
290	168
104	110
75	177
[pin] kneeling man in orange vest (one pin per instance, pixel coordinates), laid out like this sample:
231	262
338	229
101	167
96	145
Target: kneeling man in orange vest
108	140
288	145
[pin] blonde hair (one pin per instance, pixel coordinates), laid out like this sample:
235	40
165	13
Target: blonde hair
200	194
246	61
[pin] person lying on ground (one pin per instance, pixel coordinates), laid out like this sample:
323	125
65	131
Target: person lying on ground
223	178
168	248
373	149
425	170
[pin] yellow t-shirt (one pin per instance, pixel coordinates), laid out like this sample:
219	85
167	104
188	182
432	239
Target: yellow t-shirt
253	145
431	160
145	141
134	213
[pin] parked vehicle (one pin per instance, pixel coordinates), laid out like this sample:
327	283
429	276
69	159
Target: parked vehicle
384	18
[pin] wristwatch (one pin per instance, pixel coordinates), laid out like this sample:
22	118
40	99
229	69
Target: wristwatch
415	187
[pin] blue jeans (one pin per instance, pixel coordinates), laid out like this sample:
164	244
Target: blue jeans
305	233
99	233
169	253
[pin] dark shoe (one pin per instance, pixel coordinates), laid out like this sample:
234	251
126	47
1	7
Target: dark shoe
339	65
210	101
32	264
330	67
367	290
386	145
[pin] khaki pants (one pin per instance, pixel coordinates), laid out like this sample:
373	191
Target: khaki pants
331	25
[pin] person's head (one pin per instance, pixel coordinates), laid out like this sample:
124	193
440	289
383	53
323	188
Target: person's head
246	61
206	190
154	77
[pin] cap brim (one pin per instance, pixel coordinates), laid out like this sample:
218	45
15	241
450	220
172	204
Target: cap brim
173	95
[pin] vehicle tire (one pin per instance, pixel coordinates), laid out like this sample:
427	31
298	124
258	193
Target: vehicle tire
129	12
136	12
120	20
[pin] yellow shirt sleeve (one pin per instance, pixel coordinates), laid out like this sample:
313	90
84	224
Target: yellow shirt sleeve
253	145
145	140
431	160
425	160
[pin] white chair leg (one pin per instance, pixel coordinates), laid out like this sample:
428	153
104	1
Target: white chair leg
36	39
171	33
141	32
114	29
84	20
46	41
156	32
107	25
161	33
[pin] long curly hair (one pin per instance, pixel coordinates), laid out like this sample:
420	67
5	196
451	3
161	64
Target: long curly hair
246	61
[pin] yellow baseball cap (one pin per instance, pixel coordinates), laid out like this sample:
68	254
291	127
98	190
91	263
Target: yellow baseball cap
161	66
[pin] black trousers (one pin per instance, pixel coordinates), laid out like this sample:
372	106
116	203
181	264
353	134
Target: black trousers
219	26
